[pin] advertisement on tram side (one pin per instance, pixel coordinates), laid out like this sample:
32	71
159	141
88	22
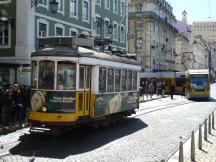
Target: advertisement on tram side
53	101
116	102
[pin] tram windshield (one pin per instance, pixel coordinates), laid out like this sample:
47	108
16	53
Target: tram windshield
199	82
46	74
66	73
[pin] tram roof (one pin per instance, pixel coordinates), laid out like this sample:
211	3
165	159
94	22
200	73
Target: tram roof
68	51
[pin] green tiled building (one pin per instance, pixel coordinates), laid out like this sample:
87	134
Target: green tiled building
22	21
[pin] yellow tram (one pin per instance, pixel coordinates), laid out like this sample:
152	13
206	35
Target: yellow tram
198	84
73	85
167	78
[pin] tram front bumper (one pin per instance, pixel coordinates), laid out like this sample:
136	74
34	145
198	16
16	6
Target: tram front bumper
39	118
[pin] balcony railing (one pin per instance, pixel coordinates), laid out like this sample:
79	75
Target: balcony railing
150	14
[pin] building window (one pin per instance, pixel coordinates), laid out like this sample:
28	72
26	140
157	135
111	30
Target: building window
115	29
42	30
73	32
106	27
139	25
4	33
107	4
59	30
98	2
73	7
122	34
139	7
86	11
115	5
60	5
43	2
122	8
97	25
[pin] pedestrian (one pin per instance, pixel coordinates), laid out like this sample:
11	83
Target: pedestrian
24	102
151	89
155	87
146	87
172	90
18	107
158	88
163	89
9	105
142	89
183	91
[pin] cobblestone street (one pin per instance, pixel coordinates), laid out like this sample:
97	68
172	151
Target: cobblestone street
150	135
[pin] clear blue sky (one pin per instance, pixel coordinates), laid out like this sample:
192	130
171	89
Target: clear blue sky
198	10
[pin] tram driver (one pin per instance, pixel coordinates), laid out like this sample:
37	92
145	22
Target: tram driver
48	79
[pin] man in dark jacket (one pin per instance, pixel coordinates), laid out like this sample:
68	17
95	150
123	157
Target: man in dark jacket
172	90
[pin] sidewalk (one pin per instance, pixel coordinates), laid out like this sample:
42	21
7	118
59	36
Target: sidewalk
206	154
9	129
154	97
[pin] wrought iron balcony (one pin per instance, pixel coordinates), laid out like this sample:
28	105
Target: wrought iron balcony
150	14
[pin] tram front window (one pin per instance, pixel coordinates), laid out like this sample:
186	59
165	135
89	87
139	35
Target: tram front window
199	82
66	76
46	75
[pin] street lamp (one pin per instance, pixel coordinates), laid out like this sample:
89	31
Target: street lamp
53	5
209	57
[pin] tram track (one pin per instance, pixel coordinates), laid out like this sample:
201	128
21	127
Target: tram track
152	109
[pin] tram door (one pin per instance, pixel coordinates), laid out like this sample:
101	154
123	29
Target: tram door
83	96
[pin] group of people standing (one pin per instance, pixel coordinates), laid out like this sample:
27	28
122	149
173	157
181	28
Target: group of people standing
13	103
148	89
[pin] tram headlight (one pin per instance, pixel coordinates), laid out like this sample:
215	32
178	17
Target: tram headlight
44	109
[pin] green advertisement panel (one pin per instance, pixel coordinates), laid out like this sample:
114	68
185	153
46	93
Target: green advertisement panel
53	101
106	104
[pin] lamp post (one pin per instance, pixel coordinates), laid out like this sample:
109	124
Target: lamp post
209	57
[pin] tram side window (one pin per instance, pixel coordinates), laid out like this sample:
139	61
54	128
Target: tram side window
102	79
46	74
180	81
88	77
34	77
129	80
110	83
66	76
124	79
134	80
81	77
117	79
